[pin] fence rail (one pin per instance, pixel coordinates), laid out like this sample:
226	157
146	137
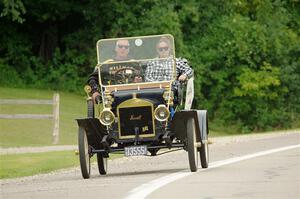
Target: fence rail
25	101
26	116
54	116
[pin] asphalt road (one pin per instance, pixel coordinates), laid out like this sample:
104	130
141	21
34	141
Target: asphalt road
251	167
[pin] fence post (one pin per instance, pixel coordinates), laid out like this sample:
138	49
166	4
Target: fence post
55	118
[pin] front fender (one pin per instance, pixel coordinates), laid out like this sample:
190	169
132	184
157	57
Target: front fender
178	124
94	129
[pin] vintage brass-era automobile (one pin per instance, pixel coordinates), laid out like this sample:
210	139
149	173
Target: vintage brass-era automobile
139	115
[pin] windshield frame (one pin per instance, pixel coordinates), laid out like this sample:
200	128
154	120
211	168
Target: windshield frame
138	85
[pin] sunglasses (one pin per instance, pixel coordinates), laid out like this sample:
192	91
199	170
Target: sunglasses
123	46
163	49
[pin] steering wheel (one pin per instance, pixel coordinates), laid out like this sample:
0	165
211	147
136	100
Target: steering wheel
126	75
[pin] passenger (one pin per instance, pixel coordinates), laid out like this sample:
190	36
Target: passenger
161	69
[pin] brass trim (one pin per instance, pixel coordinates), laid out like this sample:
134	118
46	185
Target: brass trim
137	86
135	102
134	95
107	99
87	89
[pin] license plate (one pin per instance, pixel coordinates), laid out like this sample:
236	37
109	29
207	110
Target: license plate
136	150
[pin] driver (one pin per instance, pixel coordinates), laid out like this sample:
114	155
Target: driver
122	50
121	54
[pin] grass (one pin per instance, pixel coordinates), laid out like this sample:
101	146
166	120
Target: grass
215	129
38	132
19	165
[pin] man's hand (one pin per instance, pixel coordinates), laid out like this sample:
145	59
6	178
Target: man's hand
138	79
182	77
96	97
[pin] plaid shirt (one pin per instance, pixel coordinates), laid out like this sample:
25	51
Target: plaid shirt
162	70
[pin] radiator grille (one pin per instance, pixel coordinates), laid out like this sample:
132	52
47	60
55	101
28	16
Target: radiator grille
139	118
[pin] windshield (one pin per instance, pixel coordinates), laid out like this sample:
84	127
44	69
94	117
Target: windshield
136	60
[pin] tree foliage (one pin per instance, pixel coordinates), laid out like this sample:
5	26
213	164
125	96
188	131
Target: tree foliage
14	9
245	54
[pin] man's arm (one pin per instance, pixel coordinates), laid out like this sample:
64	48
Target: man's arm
93	82
183	69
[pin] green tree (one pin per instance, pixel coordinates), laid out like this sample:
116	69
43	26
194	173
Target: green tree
13	9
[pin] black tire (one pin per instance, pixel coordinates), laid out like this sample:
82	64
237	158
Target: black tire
102	164
191	147
204	150
90	109
153	152
204	154
84	156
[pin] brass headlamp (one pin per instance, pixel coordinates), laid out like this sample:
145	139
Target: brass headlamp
106	117
161	113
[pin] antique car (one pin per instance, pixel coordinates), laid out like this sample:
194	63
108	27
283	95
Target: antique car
137	115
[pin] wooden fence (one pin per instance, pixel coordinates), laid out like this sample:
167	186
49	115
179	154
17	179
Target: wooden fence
54	116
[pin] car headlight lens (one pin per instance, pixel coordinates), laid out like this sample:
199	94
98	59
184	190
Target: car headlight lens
161	113
107	117
87	89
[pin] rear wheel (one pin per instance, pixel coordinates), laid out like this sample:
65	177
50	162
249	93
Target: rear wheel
204	155
102	164
84	155
191	145
204	150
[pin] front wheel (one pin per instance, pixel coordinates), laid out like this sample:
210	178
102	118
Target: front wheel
191	145
102	164
84	155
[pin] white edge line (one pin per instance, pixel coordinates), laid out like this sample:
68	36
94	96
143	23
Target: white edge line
145	189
